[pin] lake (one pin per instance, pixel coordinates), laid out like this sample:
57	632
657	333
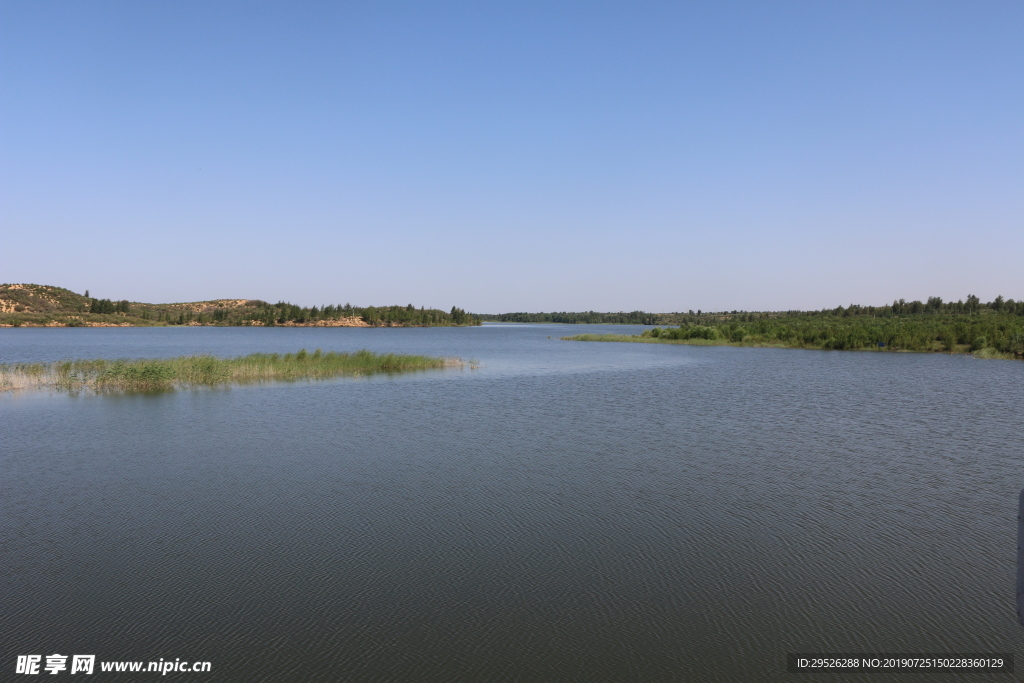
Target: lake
564	512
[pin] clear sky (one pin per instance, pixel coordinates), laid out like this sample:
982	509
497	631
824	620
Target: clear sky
505	156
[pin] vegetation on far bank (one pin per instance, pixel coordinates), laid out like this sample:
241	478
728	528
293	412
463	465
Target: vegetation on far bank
582	318
35	305
994	330
161	374
972	306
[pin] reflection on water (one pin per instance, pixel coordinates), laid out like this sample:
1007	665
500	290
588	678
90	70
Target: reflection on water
567	511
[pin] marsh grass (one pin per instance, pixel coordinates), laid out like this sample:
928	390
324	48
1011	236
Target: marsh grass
163	374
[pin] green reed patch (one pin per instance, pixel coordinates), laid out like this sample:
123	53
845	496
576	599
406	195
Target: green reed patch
161	374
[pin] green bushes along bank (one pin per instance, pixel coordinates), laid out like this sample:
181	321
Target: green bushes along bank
995	335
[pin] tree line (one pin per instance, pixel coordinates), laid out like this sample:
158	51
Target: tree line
986	331
582	318
283	312
901	307
40	304
108	306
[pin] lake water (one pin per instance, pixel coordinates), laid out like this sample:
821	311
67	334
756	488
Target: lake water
564	512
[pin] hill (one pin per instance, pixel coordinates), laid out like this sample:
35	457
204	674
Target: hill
32	305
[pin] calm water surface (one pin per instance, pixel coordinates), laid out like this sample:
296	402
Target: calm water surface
566	512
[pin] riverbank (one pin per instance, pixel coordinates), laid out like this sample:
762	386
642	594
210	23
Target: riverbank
162	374
986	352
79	321
30	305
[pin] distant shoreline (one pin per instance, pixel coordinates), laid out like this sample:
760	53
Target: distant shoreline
78	322
987	353
29	305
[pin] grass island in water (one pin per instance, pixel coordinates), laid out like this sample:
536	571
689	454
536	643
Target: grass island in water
160	374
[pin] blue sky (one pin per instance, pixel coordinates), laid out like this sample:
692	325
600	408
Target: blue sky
515	156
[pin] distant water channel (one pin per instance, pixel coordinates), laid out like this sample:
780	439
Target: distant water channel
565	512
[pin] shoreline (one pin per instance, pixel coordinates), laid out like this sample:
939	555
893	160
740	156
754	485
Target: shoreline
347	322
983	354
